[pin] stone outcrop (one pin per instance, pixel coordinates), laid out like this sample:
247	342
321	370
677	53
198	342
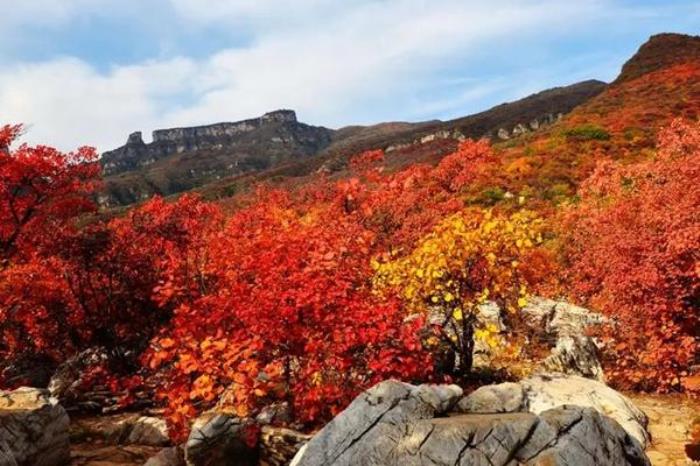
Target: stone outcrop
398	424
565	327
540	393
179	159
135	153
33	429
222	440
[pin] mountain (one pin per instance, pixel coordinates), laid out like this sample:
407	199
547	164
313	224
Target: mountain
181	159
658	83
661	51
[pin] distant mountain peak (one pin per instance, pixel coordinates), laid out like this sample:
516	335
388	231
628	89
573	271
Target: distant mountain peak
661	51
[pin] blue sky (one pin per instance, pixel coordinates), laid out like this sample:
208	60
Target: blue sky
91	71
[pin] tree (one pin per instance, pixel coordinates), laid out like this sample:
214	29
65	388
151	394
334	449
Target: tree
287	316
469	258
41	191
632	249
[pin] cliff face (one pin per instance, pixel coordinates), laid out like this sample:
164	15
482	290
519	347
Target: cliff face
179	159
136	154
276	144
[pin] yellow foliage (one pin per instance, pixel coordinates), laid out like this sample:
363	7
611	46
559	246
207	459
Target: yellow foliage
469	257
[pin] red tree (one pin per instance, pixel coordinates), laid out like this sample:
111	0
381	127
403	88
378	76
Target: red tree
632	243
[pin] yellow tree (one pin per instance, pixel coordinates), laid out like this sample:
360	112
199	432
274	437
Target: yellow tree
469	258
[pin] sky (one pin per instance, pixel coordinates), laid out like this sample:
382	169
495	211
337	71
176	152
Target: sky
89	72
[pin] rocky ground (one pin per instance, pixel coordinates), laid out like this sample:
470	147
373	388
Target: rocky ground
670	424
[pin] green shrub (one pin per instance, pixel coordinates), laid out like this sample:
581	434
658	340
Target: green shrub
587	133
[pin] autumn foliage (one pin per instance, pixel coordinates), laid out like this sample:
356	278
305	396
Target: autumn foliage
309	295
632	246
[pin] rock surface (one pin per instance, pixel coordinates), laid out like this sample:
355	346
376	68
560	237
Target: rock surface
172	456
146	430
34	428
6	457
564	326
221	440
396	424
543	392
559	318
577	355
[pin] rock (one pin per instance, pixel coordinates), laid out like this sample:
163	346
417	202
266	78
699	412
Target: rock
6	456
396	424
576	355
565	327
171	456
68	375
34	427
544	392
559	318
279	445
221	440
147	430
276	413
506	397
374	415
547	391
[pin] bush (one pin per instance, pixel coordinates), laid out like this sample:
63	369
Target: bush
587	133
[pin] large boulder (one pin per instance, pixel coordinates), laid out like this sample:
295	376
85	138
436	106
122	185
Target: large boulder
399	424
221	440
565	326
559	318
34	427
576	355
544	392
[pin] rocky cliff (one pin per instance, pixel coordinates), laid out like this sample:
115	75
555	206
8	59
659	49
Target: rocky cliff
136	154
179	159
276	144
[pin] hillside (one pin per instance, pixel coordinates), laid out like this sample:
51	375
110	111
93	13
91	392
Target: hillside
184	158
360	295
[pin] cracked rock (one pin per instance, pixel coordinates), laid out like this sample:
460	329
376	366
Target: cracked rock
220	440
546	391
33	429
390	425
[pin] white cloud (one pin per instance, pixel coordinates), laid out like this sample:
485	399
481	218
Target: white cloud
335	62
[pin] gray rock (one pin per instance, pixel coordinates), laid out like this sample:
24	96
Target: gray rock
147	430
559	318
171	456
373	417
392	424
34	427
219	440
506	397
6	456
547	391
576	355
